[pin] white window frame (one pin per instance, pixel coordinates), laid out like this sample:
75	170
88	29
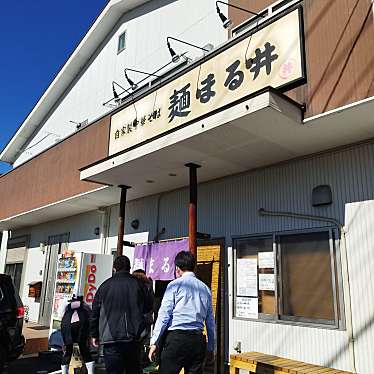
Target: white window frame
123	34
337	281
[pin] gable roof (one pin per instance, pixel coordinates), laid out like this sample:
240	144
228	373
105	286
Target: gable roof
103	24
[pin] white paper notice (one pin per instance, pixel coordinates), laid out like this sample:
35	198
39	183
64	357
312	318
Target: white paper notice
247	307
246	277
266	282
266	260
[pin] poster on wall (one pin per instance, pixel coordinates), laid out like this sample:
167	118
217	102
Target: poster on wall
247	307
266	282
246	277
266	260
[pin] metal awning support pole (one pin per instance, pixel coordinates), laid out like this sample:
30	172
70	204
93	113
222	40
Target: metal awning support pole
192	222
121	219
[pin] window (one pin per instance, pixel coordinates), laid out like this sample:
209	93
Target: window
287	277
121	42
255	267
307	279
15	272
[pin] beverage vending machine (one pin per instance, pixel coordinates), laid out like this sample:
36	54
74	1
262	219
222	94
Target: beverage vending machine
78	274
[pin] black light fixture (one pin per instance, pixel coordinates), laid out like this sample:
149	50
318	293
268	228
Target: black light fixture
126	243
77	124
133	85
135	224
203	236
115	94
174	56
226	21
321	195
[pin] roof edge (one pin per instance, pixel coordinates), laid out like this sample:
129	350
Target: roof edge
101	26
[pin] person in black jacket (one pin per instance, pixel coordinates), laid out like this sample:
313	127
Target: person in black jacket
75	329
148	288
146	334
118	319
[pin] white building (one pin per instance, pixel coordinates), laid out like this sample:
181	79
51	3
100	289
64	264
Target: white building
285	171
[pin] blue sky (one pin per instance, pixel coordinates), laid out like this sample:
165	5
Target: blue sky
36	39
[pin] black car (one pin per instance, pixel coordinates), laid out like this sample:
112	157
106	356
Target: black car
12	312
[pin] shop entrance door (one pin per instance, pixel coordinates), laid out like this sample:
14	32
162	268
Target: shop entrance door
56	244
210	270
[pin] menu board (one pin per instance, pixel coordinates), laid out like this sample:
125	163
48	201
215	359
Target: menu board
247	307
266	260
246	277
266	282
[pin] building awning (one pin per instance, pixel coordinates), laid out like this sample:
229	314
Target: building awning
103	196
251	134
260	131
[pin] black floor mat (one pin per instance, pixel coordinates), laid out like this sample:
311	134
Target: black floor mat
34	365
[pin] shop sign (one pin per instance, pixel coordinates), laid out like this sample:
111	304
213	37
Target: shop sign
157	259
272	56
90	286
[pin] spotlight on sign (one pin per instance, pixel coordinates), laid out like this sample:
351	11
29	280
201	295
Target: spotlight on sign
132	84
115	94
226	21
174	56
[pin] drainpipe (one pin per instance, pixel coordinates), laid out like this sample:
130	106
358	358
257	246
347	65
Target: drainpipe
104	226
192	208
345	270
121	219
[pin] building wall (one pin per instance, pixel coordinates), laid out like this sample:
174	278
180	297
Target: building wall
360	236
67	157
229	207
340	66
147	28
81	239
54	175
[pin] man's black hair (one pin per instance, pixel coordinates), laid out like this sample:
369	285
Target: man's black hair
122	263
185	261
139	271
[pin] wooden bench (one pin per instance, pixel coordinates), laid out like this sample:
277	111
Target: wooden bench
261	363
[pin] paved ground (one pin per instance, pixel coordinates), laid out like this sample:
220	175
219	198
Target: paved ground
32	362
33	365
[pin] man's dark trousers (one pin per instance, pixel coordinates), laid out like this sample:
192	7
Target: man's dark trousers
183	349
121	356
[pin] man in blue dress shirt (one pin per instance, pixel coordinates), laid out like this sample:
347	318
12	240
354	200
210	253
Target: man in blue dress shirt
178	332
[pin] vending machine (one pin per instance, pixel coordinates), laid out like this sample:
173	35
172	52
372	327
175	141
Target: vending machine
78	274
